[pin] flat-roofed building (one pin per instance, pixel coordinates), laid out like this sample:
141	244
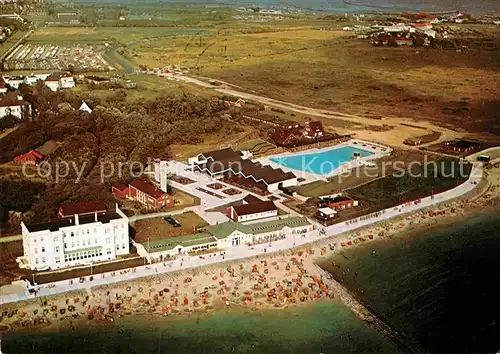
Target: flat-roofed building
326	216
224	236
82	208
234	165
77	240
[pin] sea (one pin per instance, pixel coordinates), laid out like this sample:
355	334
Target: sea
341	6
437	288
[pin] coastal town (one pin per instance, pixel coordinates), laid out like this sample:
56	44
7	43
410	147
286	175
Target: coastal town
131	185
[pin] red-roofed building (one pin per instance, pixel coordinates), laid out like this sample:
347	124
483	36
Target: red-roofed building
17	108
82	208
296	134
313	130
32	157
119	190
253	209
145	193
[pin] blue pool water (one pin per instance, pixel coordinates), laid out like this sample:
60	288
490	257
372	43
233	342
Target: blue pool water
321	163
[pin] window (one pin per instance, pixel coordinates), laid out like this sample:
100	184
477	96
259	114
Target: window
108	240
72	244
56	249
58	259
72	234
36	261
123	246
41	239
108	251
89	241
43	249
83	243
88	231
43	259
34	240
95	241
117	247
106	231
56	239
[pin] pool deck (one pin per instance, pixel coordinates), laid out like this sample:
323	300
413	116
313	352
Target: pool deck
377	151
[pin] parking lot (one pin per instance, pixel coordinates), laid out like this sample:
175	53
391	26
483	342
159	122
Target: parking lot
79	57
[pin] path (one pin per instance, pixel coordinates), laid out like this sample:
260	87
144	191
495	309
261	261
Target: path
243	251
446	134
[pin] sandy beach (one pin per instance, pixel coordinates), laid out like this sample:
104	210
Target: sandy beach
272	281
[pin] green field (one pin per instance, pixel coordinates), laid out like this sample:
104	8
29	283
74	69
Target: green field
255	146
436	177
112	35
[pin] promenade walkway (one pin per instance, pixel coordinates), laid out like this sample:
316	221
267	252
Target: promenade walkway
244	251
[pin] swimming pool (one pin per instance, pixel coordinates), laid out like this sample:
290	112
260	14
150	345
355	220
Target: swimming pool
322	162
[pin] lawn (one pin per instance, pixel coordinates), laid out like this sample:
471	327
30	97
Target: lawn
385	167
255	146
148	87
210	142
433	178
112	35
158	228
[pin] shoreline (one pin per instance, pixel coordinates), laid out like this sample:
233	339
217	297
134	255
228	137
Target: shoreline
265	282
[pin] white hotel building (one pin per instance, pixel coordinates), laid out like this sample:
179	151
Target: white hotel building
78	240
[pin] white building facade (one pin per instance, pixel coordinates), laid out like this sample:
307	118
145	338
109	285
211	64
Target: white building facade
79	240
52	81
224	236
18	109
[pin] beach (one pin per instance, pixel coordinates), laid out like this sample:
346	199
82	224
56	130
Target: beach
270	282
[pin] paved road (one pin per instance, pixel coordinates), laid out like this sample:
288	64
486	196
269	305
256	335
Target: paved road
244	251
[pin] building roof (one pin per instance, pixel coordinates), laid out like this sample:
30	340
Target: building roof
184	241
57	224
53	77
463	144
276	225
11	103
255	207
327	211
228	160
225	229
48	147
120	186
313	128
147	188
69	209
223	154
337	199
85	104
32	153
250	198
